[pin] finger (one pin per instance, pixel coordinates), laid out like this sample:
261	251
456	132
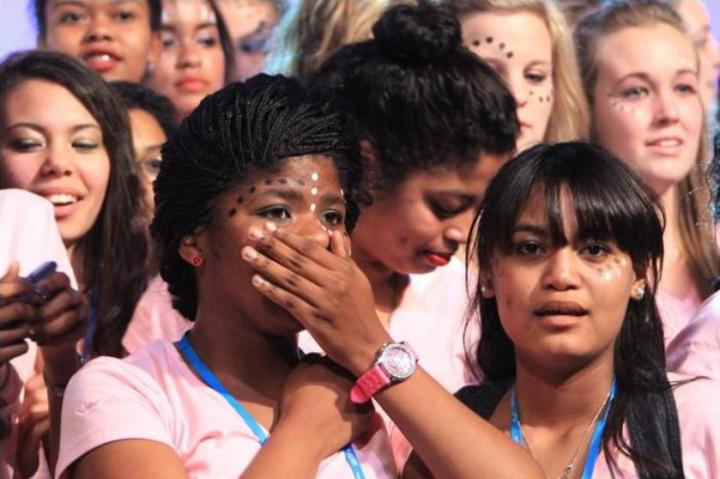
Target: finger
306	247
64	300
278	274
17	312
12	351
14	291
338	246
69	331
304	312
12	274
14	335
54	284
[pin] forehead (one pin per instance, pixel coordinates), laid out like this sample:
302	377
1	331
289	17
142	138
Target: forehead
187	12
38	101
657	50
96	3
522	32
317	170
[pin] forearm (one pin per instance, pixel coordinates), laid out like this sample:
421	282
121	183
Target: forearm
453	441
285	454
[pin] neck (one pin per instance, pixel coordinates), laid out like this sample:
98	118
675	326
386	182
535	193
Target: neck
672	241
387	285
241	357
562	400
77	263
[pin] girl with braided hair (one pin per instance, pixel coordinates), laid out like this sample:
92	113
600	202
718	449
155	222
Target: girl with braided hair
255	160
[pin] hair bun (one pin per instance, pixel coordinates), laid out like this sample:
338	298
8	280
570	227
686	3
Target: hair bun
417	33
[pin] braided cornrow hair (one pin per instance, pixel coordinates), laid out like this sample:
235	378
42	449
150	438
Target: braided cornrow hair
243	129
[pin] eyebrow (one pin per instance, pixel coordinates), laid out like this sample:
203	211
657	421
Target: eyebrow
36	127
295	195
83	3
529	228
645	77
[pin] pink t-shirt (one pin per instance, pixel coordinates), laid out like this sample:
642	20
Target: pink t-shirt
153	395
698	406
28	235
695	350
676	311
431	316
154	318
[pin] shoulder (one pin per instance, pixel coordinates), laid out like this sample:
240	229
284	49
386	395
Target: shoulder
698	408
695	350
483	398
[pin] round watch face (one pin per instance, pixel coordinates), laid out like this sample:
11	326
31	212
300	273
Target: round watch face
398	361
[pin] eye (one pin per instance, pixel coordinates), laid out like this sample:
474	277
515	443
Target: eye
25	144
276	213
207	41
84	145
333	218
536	77
124	16
68	18
686	88
168	40
528	248
151	166
635	92
444	210
595	250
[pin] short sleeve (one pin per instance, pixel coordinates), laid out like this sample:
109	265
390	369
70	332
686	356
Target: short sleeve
111	400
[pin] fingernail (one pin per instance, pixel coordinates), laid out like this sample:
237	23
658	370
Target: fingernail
257	280
272	227
249	253
255	233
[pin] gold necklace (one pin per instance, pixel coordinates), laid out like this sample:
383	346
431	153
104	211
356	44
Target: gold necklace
568	471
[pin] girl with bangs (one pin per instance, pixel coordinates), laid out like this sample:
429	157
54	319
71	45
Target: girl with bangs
570	244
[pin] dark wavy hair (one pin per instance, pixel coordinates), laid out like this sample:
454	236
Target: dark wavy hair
422	99
39	7
610	203
241	130
138	97
114	250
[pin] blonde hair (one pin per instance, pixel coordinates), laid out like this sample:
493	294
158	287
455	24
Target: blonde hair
570	116
692	205
312	30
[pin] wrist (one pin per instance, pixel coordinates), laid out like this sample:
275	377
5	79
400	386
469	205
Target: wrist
60	363
288	429
394	363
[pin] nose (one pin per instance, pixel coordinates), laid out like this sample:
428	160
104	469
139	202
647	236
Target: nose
57	163
561	270
98	29
458	228
189	55
665	109
309	227
520	91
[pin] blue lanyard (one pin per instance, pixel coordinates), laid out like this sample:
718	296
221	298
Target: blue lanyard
595	442
211	380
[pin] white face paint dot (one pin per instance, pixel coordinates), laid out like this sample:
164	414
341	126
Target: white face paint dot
313	191
314	176
313	207
342	192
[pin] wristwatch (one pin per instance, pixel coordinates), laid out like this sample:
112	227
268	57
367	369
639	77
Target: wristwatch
395	362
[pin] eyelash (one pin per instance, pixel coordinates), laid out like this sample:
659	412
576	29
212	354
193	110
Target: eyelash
282	213
536	77
25	145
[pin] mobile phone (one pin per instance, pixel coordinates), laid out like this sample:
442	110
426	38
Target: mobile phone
41	272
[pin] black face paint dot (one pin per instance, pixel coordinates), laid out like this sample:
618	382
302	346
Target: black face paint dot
501	46
232	212
531	93
476	43
240	199
541	99
510	54
301	182
283	181
548	98
489	39
252	189
268	182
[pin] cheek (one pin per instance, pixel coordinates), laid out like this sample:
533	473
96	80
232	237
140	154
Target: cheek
216	67
18	172
619	126
64	39
96	175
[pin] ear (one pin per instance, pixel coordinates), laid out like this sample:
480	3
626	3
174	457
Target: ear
191	246
638	289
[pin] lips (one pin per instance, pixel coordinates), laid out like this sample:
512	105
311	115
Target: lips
64	201
437	259
561	308
668	145
191	84
101	60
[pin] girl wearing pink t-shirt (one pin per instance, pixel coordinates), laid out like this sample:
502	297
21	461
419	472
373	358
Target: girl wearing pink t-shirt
235	397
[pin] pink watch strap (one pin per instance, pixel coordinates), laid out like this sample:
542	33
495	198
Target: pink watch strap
372	381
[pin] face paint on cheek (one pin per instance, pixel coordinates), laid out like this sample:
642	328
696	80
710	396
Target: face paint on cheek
612	272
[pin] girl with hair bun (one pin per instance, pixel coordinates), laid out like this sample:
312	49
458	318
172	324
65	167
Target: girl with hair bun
436	123
260	169
530	45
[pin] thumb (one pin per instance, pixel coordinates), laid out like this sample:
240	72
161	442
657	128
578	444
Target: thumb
12	274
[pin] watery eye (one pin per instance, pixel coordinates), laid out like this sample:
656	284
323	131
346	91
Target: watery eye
276	213
333	218
528	247
595	250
